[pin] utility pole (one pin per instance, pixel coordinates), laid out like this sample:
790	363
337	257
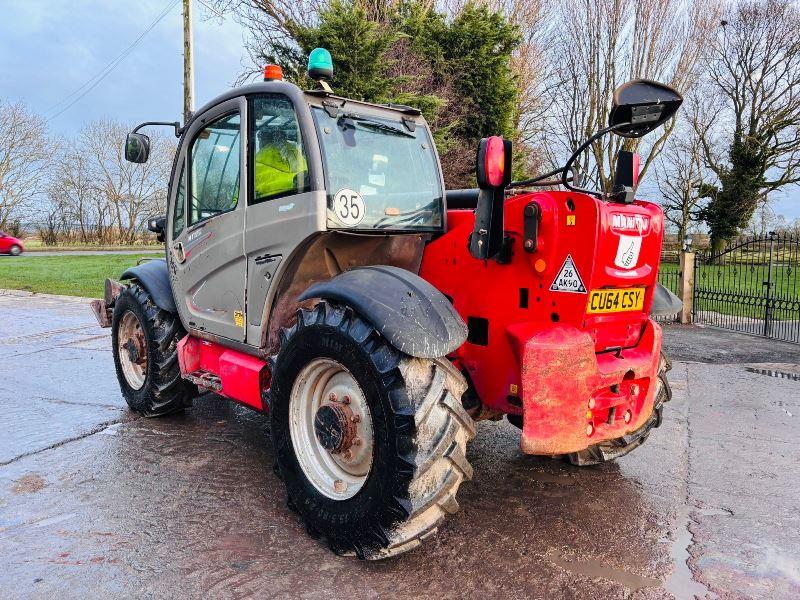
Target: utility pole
188	62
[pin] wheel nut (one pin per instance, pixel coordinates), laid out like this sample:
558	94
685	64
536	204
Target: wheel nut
356	441
591	403
339	485
346	399
356	419
627	416
332	397
634	389
347	455
589	429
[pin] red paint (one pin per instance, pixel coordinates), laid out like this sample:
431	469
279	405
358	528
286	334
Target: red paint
243	376
552	350
9	241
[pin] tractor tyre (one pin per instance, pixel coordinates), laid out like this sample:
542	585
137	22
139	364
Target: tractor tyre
613	449
144	342
369	441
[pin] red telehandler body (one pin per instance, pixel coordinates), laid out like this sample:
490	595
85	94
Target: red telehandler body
316	270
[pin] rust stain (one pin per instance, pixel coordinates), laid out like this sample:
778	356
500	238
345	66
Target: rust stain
28	484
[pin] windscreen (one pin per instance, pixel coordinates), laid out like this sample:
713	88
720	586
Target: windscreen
379	174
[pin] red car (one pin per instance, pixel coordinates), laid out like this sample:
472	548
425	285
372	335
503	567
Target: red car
10	245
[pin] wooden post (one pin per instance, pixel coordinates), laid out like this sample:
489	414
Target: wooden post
686	287
188	62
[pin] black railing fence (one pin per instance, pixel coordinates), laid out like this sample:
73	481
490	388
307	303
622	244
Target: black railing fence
753	287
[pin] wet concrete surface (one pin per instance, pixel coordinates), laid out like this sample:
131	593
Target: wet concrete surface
95	502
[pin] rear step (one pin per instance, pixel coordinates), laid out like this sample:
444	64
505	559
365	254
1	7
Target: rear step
225	371
205	379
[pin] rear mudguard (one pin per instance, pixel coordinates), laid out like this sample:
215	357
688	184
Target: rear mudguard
154	277
409	312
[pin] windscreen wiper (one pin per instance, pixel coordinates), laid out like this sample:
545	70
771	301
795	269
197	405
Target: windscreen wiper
374	124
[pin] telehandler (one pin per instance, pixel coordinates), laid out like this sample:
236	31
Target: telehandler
317	270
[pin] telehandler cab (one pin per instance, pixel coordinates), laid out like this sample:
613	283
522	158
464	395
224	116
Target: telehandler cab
317	270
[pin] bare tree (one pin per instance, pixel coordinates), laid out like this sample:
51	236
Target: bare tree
124	194
679	175
603	43
751	134
23	158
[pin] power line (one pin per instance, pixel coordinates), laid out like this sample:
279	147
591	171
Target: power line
94	81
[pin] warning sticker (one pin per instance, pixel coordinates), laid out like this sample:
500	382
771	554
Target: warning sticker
238	318
568	279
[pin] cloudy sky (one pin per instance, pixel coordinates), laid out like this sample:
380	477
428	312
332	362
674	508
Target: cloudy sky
52	50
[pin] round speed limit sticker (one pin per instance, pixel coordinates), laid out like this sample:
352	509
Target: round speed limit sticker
349	206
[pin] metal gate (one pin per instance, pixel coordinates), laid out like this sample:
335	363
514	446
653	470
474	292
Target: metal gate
752	287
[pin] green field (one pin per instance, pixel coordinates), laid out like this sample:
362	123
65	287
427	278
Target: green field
66	275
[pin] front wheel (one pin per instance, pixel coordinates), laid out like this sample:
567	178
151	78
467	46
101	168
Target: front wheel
369	442
144	340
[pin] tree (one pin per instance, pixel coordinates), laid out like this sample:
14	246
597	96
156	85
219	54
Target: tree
679	177
753	112
600	44
24	156
456	67
125	194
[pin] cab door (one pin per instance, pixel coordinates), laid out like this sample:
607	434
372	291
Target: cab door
283	210
206	228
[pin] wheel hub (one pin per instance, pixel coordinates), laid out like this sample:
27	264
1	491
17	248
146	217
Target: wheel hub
330	425
334	427
132	350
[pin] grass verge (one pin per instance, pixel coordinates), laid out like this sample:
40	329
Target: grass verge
66	275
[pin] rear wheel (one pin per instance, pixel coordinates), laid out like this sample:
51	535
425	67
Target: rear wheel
370	442
15	250
144	340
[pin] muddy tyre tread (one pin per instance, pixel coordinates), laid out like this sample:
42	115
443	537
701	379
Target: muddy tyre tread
164	391
432	431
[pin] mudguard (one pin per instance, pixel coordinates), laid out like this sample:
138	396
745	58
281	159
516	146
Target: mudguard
154	277
409	312
665	302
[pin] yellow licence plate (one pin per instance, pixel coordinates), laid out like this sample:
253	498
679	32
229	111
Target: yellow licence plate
615	300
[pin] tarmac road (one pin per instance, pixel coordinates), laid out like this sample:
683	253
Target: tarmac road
95	502
142	251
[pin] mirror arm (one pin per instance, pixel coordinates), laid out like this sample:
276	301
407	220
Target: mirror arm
175	124
565	171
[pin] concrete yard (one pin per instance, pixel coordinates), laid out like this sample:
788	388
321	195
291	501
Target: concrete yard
96	502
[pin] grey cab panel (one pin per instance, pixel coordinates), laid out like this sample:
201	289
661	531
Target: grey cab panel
205	251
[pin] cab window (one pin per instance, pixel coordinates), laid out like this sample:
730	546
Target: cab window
180	202
214	169
279	166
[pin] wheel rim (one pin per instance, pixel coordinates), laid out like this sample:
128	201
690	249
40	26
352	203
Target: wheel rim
331	428
15	250
132	350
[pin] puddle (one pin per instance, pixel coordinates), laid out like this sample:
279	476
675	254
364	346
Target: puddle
595	569
681	582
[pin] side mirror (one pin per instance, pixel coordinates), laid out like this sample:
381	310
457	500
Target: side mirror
640	106
157	225
137	148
